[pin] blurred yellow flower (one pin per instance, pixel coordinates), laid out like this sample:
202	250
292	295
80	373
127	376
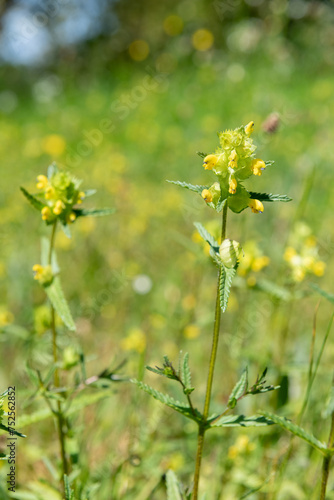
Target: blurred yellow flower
54	145
258	166
173	25
42	182
319	268
249	128
242	446
206	195
135	341
210	161
202	39
139	50
256	206
6	317
189	302
174	462
191	332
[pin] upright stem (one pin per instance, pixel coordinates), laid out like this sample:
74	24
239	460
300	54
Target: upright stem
59	414
216	328
327	460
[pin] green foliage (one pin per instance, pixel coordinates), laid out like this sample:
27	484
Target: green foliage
207	237
240	421
33	200
269	197
225	283
191	187
69	493
239	389
323	293
186	375
299	432
93	212
273	289
167	400
57	298
173	490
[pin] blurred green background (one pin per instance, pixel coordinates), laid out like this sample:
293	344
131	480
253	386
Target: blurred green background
123	94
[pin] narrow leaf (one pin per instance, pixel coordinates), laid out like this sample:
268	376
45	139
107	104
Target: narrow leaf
69	493
226	277
34	201
173	490
52	170
93	212
57	298
66	229
269	197
327	295
207	236
186	375
273	289
297	431
191	187
169	401
89	192
242	421
239	389
11	431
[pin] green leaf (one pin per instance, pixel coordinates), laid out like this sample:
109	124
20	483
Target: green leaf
11	431
191	187
52	170
66	229
93	212
241	421
57	298
239	389
89	192
297	431
173	490
32	200
225	283
80	402
273	289
269	197
207	236
186	375
238	201
202	155
45	248
169	401
327	295
69	493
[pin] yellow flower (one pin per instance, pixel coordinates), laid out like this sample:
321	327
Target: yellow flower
259	263
319	268
256	206
257	166
210	162
72	217
81	197
49	192
233	159
191	332
43	274
206	195
42	182
46	213
202	40
289	254
59	207
249	128
135	341
233	186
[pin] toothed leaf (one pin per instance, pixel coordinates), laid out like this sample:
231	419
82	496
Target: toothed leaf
207	236
33	200
269	197
57	298
173	490
191	187
242	421
93	212
239	389
225	283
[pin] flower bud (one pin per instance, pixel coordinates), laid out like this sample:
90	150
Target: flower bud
249	128
233	186
210	162
257	166
206	195
230	252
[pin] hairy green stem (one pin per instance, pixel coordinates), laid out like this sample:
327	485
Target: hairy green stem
59	413
216	328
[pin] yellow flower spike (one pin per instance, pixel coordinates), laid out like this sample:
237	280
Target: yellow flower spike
257	166
59	207
49	192
233	163
42	182
256	206
233	186
43	274
206	195
46	213
210	162
249	128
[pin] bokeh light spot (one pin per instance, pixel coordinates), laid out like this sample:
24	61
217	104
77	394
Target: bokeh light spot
54	145
139	50
202	40
173	25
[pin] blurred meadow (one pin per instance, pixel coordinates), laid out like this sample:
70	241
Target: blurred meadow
123	95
